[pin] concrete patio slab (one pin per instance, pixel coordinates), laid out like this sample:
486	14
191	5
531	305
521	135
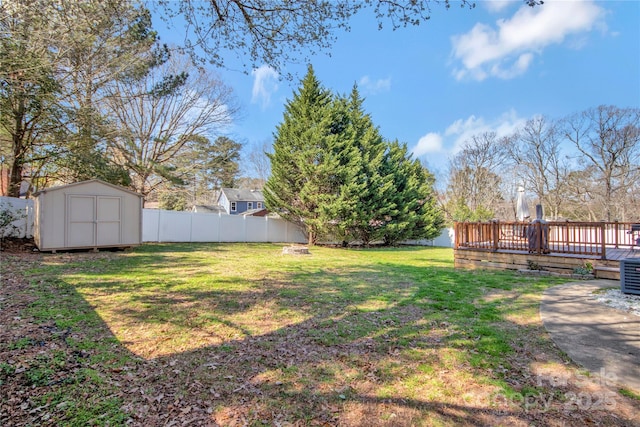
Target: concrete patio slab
602	339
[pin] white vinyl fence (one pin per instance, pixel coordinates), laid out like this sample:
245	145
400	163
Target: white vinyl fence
16	217
172	226
445	239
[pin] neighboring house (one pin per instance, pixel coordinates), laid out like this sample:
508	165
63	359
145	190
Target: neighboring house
236	201
208	209
4	184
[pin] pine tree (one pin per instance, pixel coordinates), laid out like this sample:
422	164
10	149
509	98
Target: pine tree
368	189
308	160
333	173
430	218
413	210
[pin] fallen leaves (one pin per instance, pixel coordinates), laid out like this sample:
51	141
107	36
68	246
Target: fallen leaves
345	366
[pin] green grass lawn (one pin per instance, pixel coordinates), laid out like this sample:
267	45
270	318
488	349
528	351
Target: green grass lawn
239	334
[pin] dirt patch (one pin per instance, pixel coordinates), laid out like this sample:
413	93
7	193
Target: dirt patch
12	245
492	295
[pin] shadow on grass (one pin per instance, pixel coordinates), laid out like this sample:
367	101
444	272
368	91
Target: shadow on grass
381	344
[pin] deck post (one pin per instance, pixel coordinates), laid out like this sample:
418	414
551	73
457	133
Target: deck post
466	233
456	235
496	234
603	239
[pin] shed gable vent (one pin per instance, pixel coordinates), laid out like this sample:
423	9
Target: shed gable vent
630	276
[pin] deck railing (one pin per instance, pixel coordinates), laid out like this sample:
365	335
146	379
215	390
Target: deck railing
566	237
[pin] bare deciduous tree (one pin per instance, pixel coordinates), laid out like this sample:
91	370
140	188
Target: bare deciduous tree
259	162
157	115
474	188
540	163
608	140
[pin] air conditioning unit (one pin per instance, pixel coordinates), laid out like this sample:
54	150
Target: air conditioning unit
630	276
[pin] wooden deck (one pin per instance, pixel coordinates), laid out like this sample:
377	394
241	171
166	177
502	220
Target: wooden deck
562	249
618	254
558	263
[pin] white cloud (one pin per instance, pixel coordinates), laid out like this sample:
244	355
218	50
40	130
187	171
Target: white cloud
498	5
457	134
519	67
430	143
373	87
462	130
265	83
508	50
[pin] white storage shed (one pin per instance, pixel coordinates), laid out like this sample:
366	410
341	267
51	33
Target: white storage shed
89	214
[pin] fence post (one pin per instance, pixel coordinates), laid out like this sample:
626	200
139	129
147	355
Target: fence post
244	228
30	220
286	232
495	234
159	224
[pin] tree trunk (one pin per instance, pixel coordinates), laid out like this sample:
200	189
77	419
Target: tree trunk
15	179
15	174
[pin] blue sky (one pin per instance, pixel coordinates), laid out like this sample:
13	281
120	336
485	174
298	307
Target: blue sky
464	72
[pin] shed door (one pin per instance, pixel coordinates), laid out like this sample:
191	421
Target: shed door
108	221
93	221
81	217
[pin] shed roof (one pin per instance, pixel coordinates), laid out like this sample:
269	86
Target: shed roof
99	181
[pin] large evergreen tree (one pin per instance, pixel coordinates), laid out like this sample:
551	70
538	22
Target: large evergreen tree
370	188
413	210
334	174
310	160
387	195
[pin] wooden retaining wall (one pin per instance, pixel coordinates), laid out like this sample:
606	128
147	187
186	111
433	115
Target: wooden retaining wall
560	264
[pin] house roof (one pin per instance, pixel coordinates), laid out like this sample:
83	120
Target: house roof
243	195
209	209
99	181
255	212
